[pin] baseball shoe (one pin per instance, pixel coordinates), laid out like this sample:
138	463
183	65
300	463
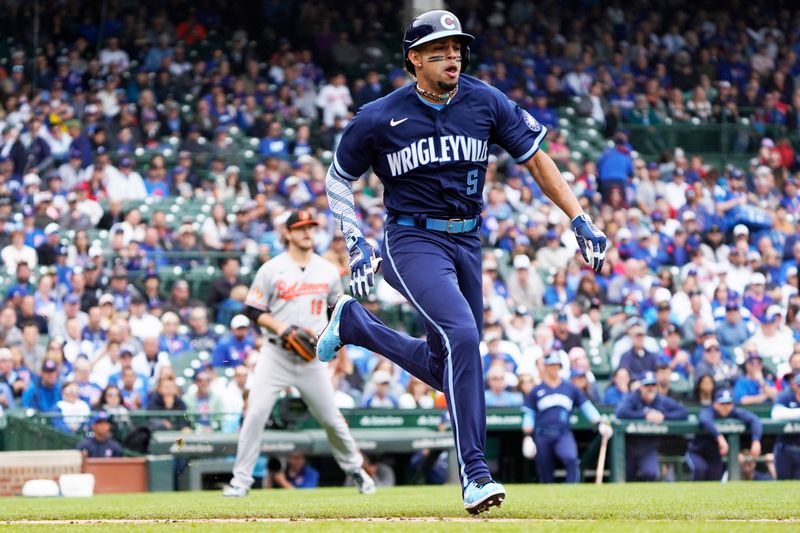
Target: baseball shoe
480	498
234	492
329	342
363	481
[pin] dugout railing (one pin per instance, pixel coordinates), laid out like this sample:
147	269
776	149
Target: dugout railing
382	431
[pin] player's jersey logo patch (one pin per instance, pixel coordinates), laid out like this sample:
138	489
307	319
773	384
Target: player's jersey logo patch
394	122
532	123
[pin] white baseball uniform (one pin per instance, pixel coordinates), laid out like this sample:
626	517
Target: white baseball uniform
300	297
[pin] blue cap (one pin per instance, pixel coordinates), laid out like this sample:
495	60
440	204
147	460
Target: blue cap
576	373
102	416
62	250
648	378
657	216
551	235
554	358
723	396
72	298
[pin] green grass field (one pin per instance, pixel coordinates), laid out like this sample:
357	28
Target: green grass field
632	507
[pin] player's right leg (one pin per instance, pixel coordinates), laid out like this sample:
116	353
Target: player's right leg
545	458
698	466
567	451
316	388
271	374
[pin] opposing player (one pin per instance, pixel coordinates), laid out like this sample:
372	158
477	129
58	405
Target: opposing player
546	424
289	299
429	143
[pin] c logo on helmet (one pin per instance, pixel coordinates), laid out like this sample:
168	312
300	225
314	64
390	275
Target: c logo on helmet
448	21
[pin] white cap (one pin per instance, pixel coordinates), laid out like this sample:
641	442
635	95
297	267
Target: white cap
31	179
569	177
51	228
623	233
105	299
689	215
232	169
757	278
740	229
763	170
522	261
644	232
291	181
661	294
240	321
95	251
381	376
753	255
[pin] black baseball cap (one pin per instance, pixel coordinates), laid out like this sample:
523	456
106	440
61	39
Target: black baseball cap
300	219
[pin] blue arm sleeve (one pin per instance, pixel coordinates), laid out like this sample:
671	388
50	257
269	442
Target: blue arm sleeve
528	418
706	418
515	130
756	429
630	407
590	412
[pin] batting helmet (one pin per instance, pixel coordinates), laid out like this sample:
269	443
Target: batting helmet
434	25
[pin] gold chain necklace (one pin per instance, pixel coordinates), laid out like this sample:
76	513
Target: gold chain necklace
446	97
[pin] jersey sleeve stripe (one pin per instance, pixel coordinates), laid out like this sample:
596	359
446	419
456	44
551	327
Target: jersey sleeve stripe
256	305
535	148
341	171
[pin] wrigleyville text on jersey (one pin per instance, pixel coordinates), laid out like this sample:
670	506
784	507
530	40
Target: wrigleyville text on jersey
427	151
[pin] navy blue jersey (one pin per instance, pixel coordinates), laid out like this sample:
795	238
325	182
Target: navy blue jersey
633	407
433	161
788	399
549	408
706	443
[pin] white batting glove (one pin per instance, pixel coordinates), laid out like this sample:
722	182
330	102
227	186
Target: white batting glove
528	448
605	430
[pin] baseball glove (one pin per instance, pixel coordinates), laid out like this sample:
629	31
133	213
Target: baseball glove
300	341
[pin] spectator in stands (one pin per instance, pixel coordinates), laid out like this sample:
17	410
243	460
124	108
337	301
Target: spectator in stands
100	444
73	411
525	286
381	397
563	335
615	167
496	393
645	403
132	386
200	337
774	340
753	387
44	394
150	360
180	301
170	341
10	377
618	388
202	399
236	346
166	397
723	372
220	288
88	391
554	256
735	330
707	449
638	360
418	395
71	310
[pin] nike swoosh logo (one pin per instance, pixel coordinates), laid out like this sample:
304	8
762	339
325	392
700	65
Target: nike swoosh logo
394	122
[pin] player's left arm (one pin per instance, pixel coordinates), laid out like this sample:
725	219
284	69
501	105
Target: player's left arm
591	240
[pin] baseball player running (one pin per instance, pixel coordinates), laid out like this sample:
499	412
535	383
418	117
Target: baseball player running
289	298
428	142
546	423
787	446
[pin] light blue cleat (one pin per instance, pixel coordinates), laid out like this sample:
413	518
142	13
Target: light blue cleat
480	498
329	342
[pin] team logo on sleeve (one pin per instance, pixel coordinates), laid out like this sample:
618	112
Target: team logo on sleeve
531	122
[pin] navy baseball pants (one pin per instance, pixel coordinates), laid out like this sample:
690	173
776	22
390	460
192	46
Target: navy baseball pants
787	461
705	468
641	464
440	275
551	447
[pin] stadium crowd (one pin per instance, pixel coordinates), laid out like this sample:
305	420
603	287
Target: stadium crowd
152	106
